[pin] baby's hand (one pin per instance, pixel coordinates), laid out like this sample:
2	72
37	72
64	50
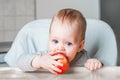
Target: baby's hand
93	64
47	62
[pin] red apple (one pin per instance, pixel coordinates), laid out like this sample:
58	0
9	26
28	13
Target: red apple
64	61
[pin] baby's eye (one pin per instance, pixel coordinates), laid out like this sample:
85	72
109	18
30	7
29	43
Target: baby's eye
55	41
68	43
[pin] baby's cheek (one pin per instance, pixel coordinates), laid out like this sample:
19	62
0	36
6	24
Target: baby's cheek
51	47
71	56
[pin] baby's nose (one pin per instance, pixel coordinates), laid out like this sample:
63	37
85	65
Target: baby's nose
60	47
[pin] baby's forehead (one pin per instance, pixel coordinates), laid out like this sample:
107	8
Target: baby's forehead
73	24
66	30
66	24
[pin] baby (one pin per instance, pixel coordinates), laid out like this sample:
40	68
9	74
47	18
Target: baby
66	35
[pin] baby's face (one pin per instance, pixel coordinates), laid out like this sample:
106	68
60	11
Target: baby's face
64	38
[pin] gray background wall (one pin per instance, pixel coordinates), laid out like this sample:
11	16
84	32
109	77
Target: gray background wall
47	8
110	13
13	15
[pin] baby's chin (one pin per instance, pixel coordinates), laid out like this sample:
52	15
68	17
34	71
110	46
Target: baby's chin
69	59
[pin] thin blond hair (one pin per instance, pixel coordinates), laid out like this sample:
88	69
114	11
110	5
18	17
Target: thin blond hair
71	16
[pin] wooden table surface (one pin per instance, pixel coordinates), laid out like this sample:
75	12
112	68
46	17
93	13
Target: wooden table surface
75	73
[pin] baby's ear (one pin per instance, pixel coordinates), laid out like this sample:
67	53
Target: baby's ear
81	46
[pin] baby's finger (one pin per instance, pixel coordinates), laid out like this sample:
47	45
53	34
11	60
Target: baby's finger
54	68
52	71
99	65
57	63
87	65
96	65
92	66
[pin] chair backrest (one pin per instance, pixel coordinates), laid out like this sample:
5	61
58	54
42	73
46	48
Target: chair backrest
100	40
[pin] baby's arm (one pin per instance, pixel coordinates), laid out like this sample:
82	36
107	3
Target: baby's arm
47	62
93	64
